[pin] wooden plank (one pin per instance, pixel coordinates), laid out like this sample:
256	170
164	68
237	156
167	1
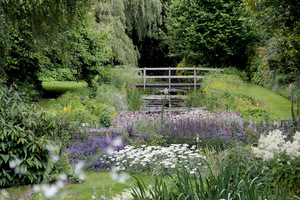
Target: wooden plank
198	77
166	85
172	68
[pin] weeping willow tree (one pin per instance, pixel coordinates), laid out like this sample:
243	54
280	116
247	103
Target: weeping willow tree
46	18
128	22
38	23
28	30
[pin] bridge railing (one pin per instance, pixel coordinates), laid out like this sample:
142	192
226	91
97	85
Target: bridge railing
170	76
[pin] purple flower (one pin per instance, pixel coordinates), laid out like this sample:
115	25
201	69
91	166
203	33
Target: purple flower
166	91
291	87
102	197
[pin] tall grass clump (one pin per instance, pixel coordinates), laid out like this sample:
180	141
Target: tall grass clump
195	98
227	184
134	99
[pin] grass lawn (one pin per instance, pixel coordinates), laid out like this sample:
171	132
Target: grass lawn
101	181
56	88
59	87
274	101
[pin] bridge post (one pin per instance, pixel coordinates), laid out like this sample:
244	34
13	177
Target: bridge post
195	82
144	78
169	78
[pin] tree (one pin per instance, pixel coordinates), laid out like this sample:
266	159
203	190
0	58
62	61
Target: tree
128	22
279	21
31	34
209	32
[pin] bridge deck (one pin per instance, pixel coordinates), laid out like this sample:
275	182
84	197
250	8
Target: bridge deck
166	85
170	85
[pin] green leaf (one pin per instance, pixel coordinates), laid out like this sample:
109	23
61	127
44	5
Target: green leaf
4	157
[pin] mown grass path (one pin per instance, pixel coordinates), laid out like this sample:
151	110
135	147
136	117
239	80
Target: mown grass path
274	101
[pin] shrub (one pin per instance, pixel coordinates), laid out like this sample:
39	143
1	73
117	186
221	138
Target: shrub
25	131
111	96
234	71
282	156
195	98
78	108
57	74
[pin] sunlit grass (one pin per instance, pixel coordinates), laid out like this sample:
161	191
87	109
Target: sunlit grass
99	182
273	101
62	86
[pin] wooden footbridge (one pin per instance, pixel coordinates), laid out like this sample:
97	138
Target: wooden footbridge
169	77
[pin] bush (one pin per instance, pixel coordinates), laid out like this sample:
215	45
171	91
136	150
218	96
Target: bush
195	98
234	71
25	134
78	108
57	74
280	155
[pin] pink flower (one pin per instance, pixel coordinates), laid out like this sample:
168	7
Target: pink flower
102	197
108	140
166	91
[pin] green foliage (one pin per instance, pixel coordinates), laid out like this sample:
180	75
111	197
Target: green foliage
57	74
46	18
209	32
227	92
227	184
234	71
285	171
195	98
179	72
77	108
128	22
248	162
279	21
66	42
25	131
134	99
21	64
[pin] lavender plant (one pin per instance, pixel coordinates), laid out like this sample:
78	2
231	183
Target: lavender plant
92	149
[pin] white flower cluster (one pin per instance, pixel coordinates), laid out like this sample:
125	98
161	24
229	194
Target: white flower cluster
156	158
125	195
274	144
